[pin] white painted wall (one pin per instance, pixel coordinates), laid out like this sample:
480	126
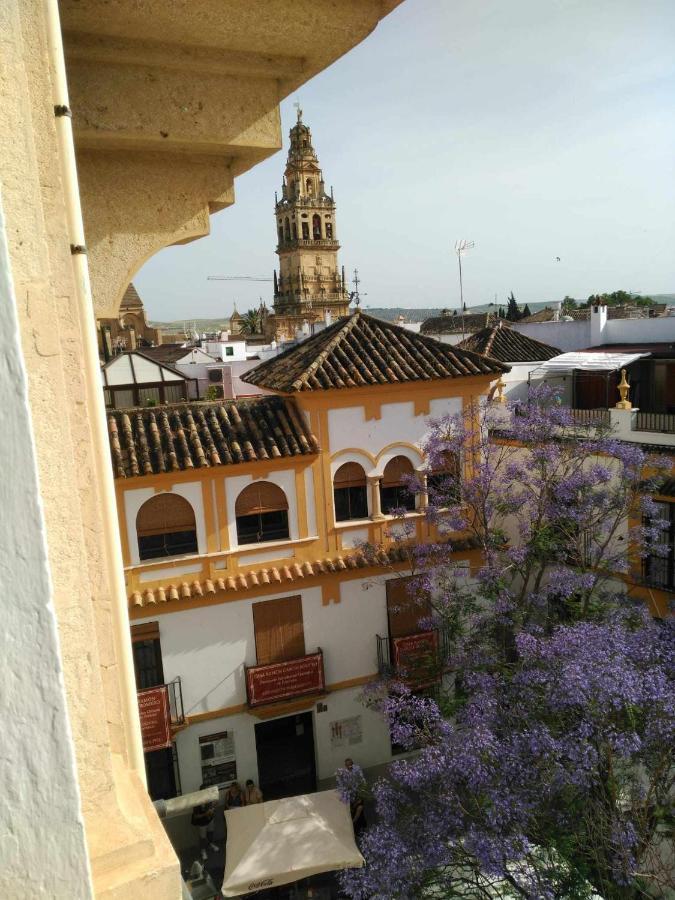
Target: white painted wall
566	336
349	429
579	335
208	647
42	849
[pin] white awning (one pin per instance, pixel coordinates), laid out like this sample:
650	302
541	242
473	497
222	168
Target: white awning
586	362
282	841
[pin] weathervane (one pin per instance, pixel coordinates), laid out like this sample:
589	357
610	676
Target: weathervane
354	295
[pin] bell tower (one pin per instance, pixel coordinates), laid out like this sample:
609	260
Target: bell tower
309	283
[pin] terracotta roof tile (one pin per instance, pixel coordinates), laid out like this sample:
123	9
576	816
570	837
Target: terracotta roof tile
178	437
452	324
508	345
130	298
361	559
362	350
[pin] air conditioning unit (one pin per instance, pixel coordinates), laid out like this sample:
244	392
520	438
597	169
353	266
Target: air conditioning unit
220	377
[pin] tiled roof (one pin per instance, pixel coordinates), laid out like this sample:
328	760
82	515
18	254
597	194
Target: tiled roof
171	353
281	574
548	314
452	324
508	345
360	350
197	435
130	298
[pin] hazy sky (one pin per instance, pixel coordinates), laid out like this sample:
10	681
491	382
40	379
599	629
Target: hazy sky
536	128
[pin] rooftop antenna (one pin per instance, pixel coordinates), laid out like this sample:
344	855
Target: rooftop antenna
461	247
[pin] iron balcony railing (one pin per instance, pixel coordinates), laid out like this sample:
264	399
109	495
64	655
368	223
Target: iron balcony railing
590	416
175	694
419	658
662	423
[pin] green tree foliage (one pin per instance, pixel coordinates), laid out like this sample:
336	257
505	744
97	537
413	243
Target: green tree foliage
251	322
512	311
569	304
619	298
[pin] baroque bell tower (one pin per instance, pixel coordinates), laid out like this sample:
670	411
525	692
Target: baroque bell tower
309	283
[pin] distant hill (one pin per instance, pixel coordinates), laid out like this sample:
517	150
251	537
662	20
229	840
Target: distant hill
388	313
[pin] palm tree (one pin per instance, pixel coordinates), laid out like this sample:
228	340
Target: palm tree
250	322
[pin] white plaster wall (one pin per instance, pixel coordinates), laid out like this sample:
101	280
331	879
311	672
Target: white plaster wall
136	497
349	429
209	646
374	749
353	537
566	336
235	485
42	845
631	331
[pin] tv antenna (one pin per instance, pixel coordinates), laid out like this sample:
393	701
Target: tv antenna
461	248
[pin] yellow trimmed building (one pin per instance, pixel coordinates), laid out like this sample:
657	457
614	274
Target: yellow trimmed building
243	526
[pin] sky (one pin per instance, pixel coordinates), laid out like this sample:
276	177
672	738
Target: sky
536	128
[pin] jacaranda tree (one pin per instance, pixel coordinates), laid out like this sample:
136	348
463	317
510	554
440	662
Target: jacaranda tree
545	770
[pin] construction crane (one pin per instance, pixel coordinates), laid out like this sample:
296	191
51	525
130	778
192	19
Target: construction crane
237	278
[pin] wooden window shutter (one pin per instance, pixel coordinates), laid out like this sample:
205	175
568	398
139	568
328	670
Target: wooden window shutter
165	513
260	497
279	632
349	475
403	609
449	465
396	471
148	631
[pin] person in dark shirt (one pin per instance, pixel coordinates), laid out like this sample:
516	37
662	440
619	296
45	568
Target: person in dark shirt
234	796
202	819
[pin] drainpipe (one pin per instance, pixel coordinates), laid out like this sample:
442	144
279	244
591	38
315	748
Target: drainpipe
94	394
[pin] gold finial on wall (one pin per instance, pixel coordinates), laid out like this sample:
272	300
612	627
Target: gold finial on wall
623	388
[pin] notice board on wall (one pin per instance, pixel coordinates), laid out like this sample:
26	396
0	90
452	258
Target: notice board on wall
218	758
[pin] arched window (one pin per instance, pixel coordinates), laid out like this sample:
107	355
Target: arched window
394	492
261	512
350	493
329	229
295	232
281	235
287	229
310	187
316	226
443	483
305	231
165	526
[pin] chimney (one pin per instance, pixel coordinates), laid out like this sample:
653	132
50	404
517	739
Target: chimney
598	323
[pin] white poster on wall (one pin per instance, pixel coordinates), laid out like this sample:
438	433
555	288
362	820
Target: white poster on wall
346	732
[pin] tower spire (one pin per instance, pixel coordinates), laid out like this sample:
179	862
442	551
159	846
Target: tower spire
310	283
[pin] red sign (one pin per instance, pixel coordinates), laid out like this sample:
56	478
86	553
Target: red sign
417	655
280	681
153	708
